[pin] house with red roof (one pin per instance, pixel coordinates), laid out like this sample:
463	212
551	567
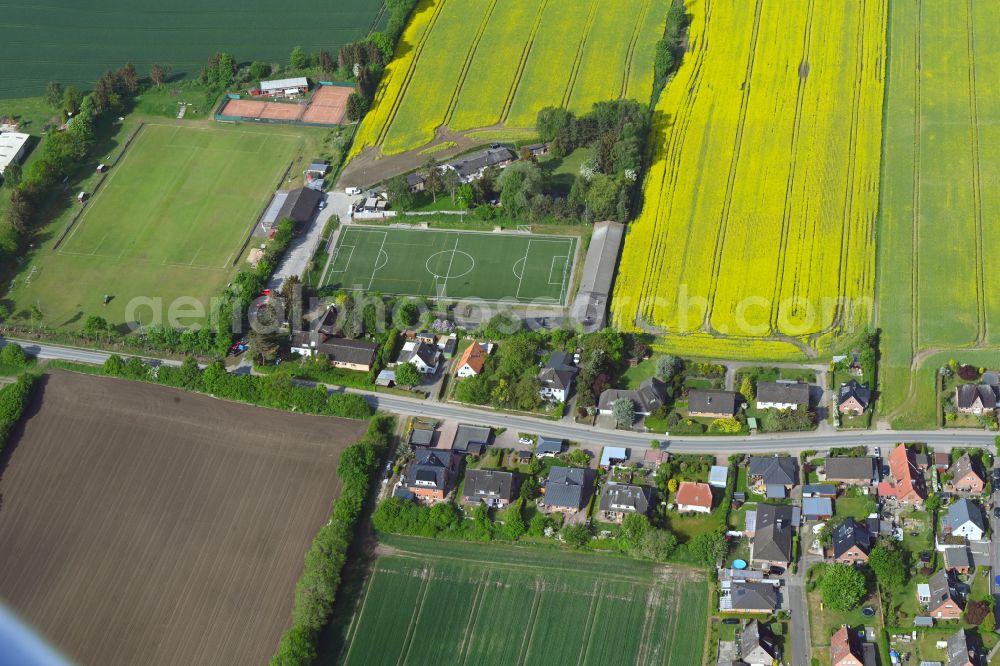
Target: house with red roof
691	496
907	485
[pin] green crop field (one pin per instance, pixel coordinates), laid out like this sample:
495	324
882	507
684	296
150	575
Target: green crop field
453	264
166	224
76	42
469	64
491	604
937	241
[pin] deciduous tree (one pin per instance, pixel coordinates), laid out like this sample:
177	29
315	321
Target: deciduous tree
842	587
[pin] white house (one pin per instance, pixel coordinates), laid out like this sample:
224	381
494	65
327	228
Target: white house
964	519
12	147
472	360
691	496
424	356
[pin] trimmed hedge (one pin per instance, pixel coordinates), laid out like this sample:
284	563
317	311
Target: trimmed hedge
13	400
317	587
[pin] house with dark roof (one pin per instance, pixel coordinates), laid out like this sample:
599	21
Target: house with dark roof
300	207
713	404
431	474
757	644
537	149
568	488
547	447
424	356
416	182
621	499
471	439
421	437
945	602
772	535
853	398
851	471
782	395
556	378
957	559
343	353
496	488
967	476
819	490
752	597
852	542
975	399
764	471
964	519
471	167
961	651
649	397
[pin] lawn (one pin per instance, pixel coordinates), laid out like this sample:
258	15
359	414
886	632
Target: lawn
456	264
853	507
824	621
443	602
77	42
164	228
562	171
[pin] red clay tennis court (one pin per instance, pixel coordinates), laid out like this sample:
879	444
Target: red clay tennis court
327	106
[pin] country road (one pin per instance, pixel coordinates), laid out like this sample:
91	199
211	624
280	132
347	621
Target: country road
790	442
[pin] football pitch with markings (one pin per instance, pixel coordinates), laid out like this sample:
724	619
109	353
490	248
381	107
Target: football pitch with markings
453	264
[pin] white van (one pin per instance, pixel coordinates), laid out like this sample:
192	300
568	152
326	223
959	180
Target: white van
353	190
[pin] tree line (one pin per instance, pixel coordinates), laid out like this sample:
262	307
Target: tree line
13	401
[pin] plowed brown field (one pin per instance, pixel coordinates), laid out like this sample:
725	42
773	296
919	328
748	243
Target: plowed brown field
146	525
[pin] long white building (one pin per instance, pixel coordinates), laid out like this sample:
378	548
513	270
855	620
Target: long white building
12	147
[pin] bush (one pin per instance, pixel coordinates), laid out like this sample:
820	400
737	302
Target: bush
969	373
13	401
842	587
13	355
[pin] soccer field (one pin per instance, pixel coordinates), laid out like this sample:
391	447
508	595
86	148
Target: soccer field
166	223
453	264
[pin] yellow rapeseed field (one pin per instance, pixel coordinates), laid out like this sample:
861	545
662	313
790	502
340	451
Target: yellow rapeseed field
472	64
758	223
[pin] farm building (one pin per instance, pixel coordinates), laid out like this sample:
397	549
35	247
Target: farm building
590	308
299	206
285	87
12	148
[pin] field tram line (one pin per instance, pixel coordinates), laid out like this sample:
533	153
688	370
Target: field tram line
529	629
470	627
469	57
733	168
378	17
671	158
588	628
981	333
672	626
411	70
786	218
581	49
357	612
852	159
630	53
522	63
652	605
426	576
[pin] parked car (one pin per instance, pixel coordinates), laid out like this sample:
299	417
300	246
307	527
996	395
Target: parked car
526	441
996	512
353	191
878	452
731	620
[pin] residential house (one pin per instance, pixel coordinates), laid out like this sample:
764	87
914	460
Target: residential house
817	508
547	447
757	644
960	650
964	519
819	490
355	355
421	437
852	542
425	357
966	476
853	398
496	488
471	167
472	361
713	404
416	182
431	475
471	439
556	378
782	395
975	399
945	603
845	648
718	476
765	471
568	488
851	471
691	496
907	486
646	399
942	461
752	597
537	149
621	499
772	534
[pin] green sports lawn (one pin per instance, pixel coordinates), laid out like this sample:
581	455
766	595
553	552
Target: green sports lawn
453	264
166	224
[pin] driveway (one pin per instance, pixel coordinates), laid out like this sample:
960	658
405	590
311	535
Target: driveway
304	247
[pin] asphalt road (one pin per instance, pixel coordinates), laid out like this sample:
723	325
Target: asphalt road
790	442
